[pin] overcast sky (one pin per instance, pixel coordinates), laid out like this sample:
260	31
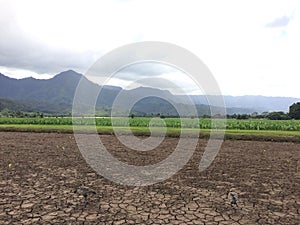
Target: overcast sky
251	47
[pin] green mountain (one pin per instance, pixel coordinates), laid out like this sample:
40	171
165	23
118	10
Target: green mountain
56	95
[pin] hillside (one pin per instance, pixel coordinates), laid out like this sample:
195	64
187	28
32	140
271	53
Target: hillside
55	95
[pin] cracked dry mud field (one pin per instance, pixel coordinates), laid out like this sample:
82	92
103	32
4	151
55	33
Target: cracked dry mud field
39	174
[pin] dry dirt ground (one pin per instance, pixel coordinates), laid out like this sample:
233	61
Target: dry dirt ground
40	173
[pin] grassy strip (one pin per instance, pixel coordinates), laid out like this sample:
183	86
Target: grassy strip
203	123
262	135
276	136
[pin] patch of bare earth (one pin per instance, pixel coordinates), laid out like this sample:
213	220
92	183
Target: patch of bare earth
40	173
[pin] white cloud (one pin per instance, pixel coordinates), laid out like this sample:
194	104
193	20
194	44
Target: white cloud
231	37
20	73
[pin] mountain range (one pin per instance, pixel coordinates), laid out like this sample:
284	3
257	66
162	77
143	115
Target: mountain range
55	95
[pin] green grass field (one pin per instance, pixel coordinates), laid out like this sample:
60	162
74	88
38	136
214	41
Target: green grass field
252	129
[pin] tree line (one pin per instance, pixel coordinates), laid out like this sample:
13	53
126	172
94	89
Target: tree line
294	113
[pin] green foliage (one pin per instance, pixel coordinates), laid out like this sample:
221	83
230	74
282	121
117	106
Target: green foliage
242	116
204	123
295	111
6	112
278	116
263	124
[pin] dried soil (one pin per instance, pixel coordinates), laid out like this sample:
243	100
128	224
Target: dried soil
40	173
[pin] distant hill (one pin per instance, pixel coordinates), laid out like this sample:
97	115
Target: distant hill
55	95
61	88
14	105
256	103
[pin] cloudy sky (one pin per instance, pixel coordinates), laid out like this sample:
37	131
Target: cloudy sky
251	47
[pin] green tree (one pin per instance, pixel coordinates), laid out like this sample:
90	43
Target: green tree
278	116
295	111
242	117
254	114
6	112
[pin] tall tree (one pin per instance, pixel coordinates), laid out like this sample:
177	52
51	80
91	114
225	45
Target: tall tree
295	111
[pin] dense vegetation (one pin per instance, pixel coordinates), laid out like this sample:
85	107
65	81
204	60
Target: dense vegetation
295	111
203	123
273	121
